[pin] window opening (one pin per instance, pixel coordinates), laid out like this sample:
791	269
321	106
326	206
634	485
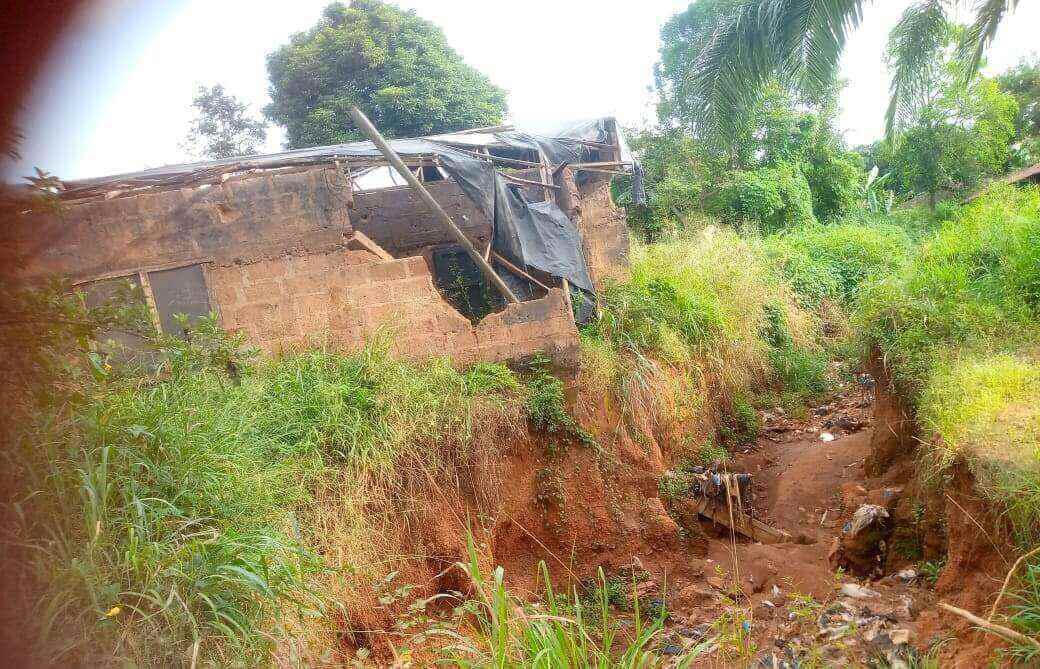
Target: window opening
181	290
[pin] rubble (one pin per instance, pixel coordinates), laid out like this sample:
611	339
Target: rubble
861	547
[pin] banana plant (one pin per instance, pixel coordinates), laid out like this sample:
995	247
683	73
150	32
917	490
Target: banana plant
879	199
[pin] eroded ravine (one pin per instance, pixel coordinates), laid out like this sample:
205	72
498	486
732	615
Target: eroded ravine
789	604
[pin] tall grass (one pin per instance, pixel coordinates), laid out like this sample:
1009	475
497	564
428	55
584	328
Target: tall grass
702	322
196	516
958	331
563	630
1026	613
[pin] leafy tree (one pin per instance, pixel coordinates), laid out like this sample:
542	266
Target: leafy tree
222	127
674	177
785	164
960	131
395	66
773	198
683	37
734	53
1023	82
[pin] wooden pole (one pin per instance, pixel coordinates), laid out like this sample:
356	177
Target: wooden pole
992	628
366	126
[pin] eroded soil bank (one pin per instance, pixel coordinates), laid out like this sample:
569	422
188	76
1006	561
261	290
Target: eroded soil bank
821	600
818	599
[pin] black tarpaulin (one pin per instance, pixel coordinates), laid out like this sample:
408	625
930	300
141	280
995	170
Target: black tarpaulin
527	234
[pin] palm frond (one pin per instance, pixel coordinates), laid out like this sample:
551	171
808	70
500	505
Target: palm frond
727	74
813	34
978	36
796	41
921	33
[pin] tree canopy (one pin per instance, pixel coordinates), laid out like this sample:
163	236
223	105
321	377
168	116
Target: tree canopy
955	131
733	49
222	127
1023	83
395	66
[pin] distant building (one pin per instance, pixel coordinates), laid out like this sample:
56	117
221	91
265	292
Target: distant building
1024	175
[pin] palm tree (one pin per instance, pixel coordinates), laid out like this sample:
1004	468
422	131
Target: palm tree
800	42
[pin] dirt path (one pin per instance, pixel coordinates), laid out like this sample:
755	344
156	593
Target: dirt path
784	605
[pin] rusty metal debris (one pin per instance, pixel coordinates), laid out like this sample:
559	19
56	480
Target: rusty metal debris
725	498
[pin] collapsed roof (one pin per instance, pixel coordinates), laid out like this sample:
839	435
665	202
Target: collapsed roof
536	234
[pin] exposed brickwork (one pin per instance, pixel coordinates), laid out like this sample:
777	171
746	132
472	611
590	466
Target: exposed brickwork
589	204
277	266
398	221
243	218
341	297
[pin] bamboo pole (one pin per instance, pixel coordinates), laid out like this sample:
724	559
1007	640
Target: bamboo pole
530	182
513	268
992	628
366	126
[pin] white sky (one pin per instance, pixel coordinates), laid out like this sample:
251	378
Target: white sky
116	96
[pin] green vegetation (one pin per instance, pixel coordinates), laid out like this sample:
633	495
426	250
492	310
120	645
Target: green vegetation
222	127
547	410
193	514
719	55
958	328
702	326
1023	83
564	630
401	73
830	263
1026	612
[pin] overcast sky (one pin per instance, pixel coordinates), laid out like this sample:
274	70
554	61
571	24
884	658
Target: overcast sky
116	96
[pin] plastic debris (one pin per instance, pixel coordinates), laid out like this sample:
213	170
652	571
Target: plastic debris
858	591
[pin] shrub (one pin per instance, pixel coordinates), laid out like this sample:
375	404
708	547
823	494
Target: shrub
832	262
741	426
773	198
836	180
547	411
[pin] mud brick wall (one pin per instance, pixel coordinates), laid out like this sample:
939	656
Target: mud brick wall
588	202
341	297
242	218
397	220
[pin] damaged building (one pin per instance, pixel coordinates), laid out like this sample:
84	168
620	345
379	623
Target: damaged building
328	245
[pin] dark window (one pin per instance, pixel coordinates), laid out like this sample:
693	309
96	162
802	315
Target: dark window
179	291
431	173
462	284
124	291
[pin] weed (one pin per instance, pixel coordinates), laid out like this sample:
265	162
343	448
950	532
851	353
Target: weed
931	569
565	631
1026	611
708	454
673	486
804	607
742	425
547	411
733	630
